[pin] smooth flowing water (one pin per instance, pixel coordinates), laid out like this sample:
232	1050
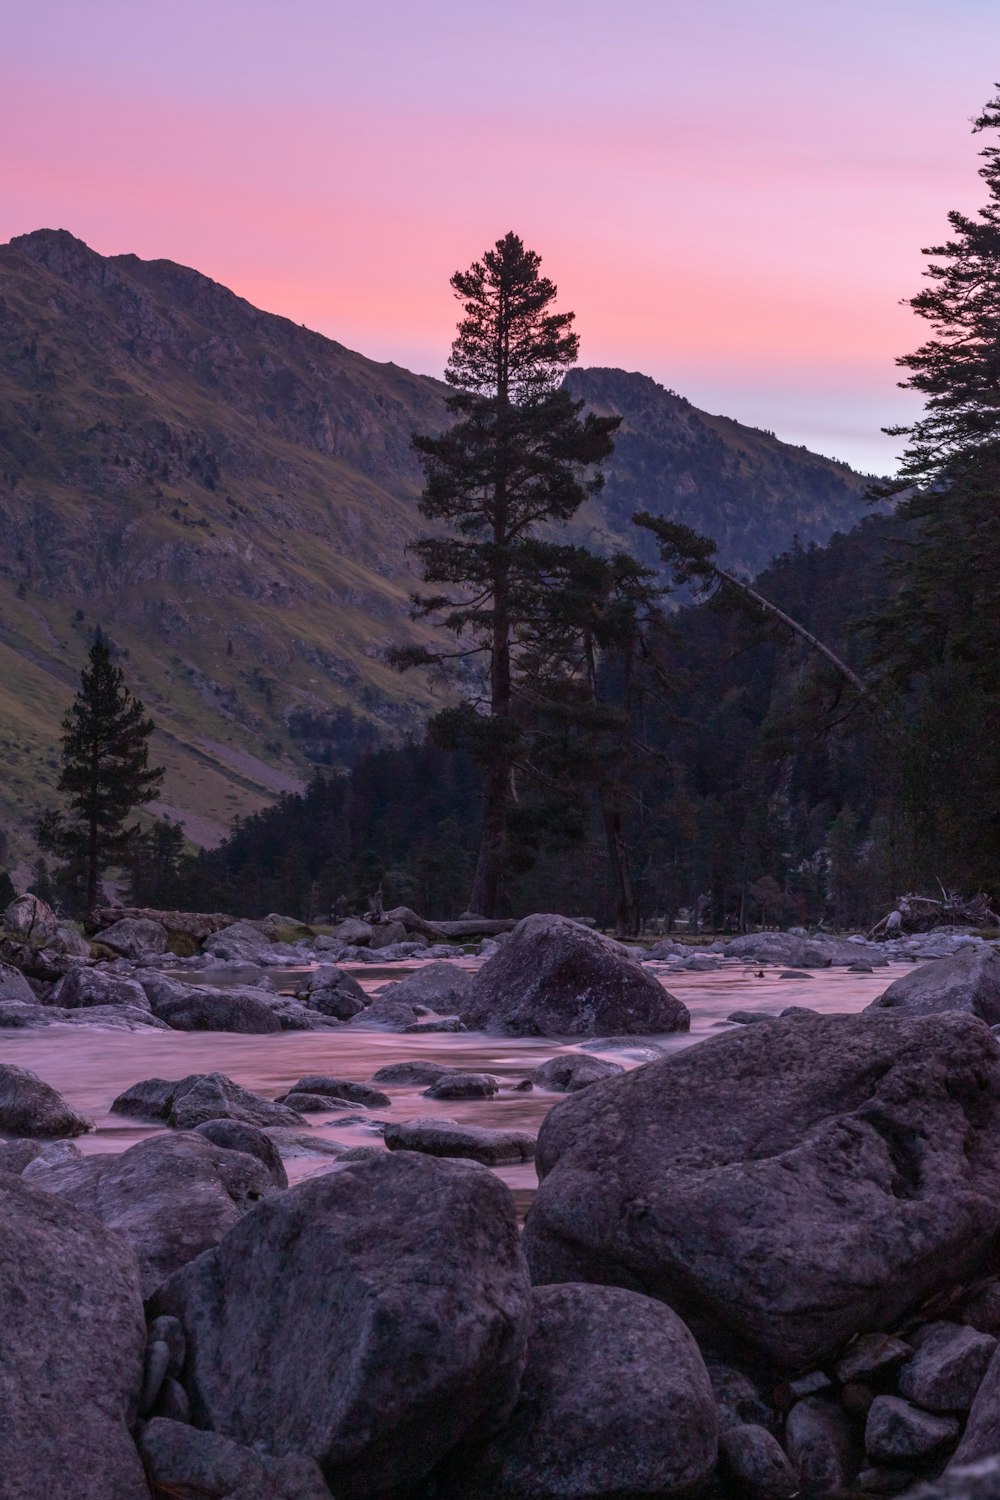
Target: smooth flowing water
91	1067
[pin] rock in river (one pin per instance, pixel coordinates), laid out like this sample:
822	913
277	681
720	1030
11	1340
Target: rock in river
555	978
190	1101
73	1343
438	1137
29	1106
577	1070
371	1318
968	982
791	1184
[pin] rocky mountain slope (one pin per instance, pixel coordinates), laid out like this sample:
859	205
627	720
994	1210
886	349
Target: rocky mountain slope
230	496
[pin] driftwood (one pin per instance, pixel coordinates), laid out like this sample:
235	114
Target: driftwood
915	913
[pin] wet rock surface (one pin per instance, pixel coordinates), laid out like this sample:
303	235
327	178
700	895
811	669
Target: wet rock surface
189	1102
437	1137
969	982
29	1106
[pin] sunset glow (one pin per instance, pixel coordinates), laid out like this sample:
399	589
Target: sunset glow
732	197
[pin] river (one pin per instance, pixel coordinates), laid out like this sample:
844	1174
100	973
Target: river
91	1067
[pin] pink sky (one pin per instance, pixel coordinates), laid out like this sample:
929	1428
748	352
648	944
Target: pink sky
731	195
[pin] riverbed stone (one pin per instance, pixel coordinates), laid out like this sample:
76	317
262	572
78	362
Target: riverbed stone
982	1430
438	987
854	1171
84	987
899	1432
239	943
978	1480
948	1368
822	1444
574	1071
459	1085
171	1196
371	1318
31	1107
16	1016
555	978
756	1464
14	986
981	1310
194	1007
615	1400
187	1102
439	1137
414	1074
968	982
182	1461
74	1339
871	1355
30	917
344	1089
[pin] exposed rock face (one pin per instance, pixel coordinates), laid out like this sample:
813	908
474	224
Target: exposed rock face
615	1400
968	982
948	1368
74	1337
134	937
853	1170
756	1463
565	1075
555	978
460	1085
82	987
966	1481
171	1196
200	1097
28	1106
896	1431
196	925
437	1137
372	1318
182	1461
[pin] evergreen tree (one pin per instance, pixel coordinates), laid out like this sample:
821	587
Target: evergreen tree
938	640
105	773
518	458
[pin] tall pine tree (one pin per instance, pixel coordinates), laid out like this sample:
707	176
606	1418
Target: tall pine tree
518	458
105	773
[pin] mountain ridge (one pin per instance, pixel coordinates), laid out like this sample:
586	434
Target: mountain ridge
230	496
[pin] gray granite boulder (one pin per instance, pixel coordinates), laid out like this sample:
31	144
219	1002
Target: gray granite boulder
239	943
978	1480
134	937
459	1085
333	993
85	987
371	1318
437	1137
16	1016
969	982
982	1430
29	1106
74	1337
171	1196
337	1089
189	1102
236	1135
414	1074
896	1431
792	1184
615	1401
756	1464
555	978
823	1446
578	1070
32	918
194	1007
948	1367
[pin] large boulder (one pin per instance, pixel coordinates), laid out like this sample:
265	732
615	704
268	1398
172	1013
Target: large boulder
792	1183
73	1343
239	943
14	1015
32	918
573	1071
555	978
796	950
193	1007
439	987
189	1102
82	987
982	1432
171	1196
333	993
322	1086
969	982
29	1106
134	937
371	1318
195	925
615	1400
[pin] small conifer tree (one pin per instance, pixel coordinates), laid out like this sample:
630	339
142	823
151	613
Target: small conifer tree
105	773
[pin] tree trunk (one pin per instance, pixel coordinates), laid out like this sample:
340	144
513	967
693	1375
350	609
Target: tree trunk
627	907
487	883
